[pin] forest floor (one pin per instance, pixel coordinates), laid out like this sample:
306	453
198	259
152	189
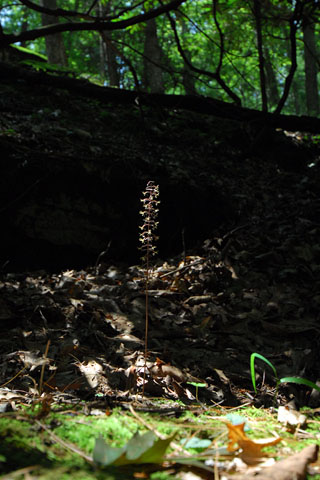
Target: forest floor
77	336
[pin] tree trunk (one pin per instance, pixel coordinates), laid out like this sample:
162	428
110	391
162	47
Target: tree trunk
112	65
296	96
311	69
153	75
108	59
55	48
187	77
257	15
24	24
271	81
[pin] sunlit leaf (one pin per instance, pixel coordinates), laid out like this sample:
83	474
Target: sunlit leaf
300	381
104	454
145	448
251	448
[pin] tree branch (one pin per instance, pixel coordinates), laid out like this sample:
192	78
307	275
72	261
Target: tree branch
214	75
88	26
295	21
221	49
55	12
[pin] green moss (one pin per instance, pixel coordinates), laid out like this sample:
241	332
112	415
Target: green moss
24	442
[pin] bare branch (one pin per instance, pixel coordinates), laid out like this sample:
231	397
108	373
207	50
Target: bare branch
89	26
56	12
214	75
221	49
94	3
294	22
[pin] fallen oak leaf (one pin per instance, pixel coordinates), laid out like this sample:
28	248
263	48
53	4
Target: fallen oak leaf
251	449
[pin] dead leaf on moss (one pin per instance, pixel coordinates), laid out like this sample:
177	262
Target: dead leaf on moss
251	449
293	467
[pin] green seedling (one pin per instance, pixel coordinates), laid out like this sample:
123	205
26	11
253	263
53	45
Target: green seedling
298	380
197	385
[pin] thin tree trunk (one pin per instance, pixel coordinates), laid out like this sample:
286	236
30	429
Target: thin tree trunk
187	77
311	69
257	15
296	98
153	75
271	80
108	59
55	47
293	57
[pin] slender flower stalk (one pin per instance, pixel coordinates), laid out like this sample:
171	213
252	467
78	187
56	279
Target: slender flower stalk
148	238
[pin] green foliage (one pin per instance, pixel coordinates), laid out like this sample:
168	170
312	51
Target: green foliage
297	380
202	35
42	447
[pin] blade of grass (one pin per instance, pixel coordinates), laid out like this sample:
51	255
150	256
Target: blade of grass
253	370
300	381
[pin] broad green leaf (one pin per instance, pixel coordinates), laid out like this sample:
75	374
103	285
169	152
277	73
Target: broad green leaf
139	444
300	381
152	454
105	455
145	448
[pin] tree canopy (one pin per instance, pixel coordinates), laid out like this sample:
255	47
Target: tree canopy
261	54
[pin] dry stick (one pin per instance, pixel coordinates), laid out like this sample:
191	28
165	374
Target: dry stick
68	445
43	367
11	379
146	324
22	471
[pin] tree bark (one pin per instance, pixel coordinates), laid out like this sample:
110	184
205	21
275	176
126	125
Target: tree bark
153	74
293	66
257	15
311	69
271	81
108	58
187	77
55	48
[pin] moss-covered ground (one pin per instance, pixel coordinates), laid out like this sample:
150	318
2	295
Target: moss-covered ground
60	445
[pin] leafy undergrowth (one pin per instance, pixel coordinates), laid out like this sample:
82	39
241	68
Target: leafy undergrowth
42	443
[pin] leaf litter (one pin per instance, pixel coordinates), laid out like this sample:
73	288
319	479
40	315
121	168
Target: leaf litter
94	321
251	287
